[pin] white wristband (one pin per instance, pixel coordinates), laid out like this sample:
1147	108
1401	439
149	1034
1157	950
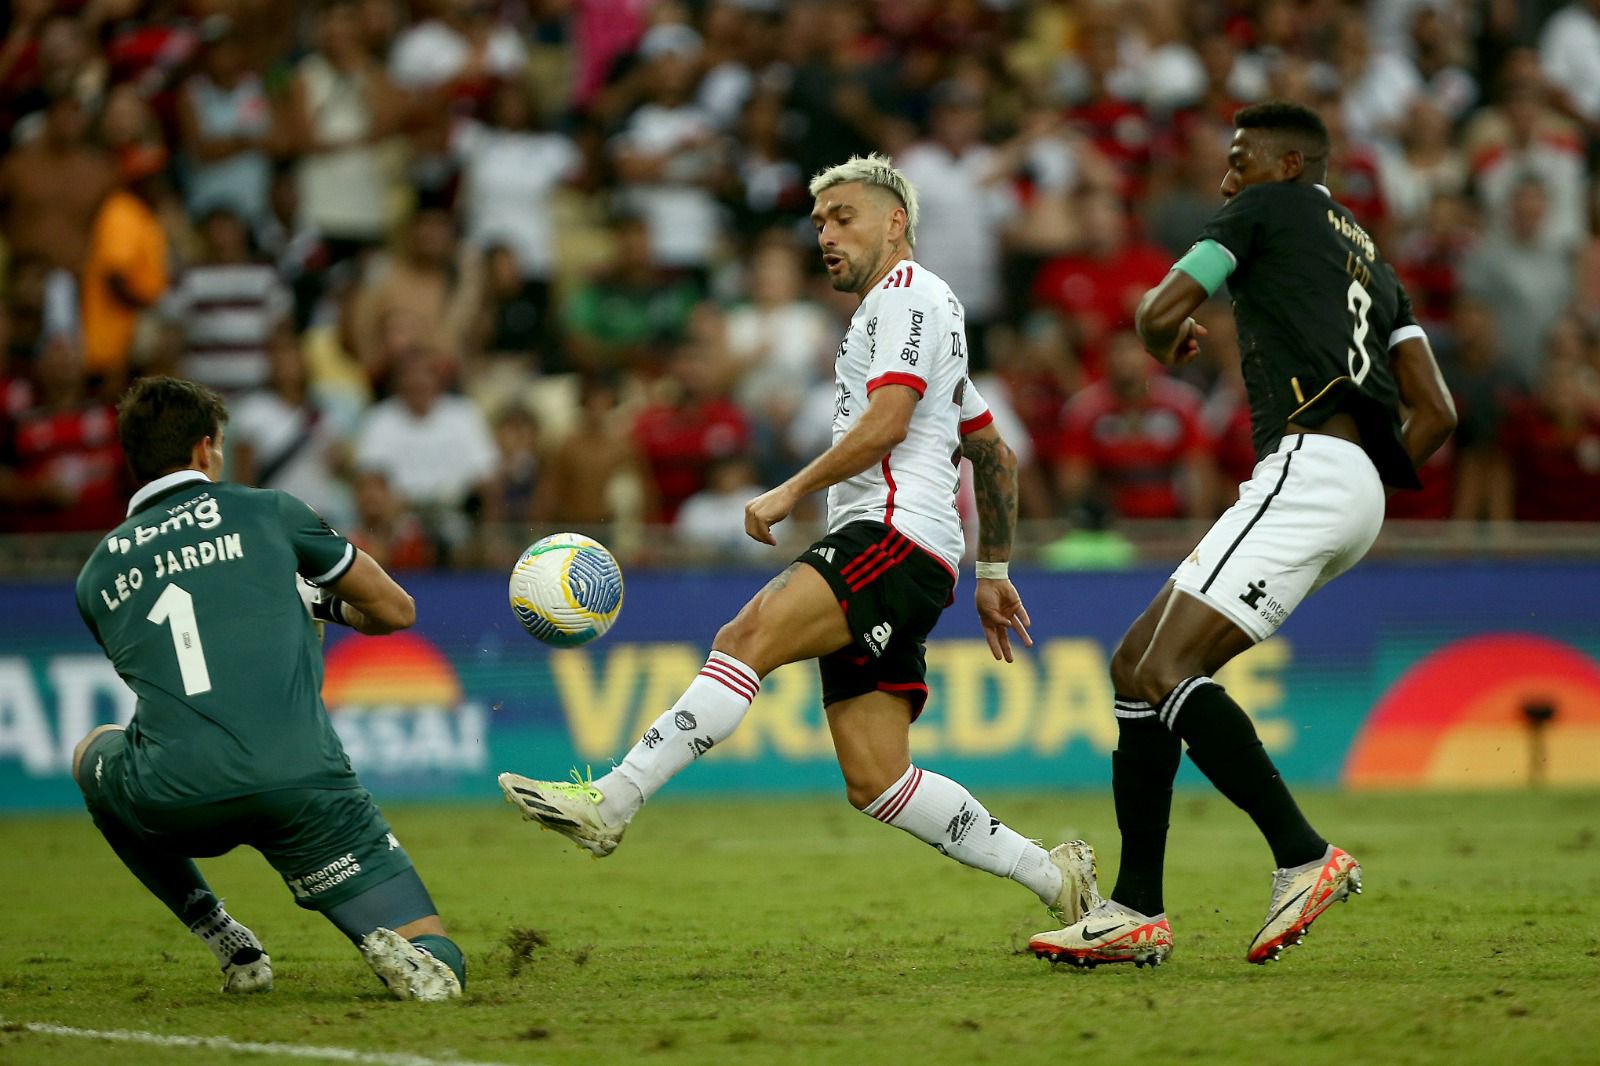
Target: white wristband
993	571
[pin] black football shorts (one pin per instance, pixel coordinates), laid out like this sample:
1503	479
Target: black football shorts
892	592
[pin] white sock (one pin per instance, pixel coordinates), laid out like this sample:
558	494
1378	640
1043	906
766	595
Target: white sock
224	936
938	811
707	713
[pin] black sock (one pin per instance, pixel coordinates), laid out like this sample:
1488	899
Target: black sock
1142	769
1223	743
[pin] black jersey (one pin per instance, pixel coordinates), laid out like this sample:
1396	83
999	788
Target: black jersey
1316	306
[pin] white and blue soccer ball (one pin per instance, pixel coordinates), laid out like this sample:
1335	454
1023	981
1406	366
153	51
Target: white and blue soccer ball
566	589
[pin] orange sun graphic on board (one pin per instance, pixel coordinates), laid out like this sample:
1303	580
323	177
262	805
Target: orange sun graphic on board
1458	719
401	669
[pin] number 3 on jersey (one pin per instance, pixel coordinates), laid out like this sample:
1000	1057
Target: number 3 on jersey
175	608
1359	303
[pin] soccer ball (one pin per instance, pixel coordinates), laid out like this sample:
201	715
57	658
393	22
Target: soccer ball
566	589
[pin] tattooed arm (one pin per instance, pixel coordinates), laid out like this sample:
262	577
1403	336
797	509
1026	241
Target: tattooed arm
994	477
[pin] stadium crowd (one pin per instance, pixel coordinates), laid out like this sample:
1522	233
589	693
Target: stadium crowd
465	266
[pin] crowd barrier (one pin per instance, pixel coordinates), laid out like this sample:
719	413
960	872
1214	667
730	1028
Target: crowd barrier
1398	675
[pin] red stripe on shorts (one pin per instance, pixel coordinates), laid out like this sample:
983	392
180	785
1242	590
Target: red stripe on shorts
881	567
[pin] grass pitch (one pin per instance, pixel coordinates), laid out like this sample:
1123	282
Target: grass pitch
797	931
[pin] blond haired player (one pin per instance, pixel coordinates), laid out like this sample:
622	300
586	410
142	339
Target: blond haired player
862	600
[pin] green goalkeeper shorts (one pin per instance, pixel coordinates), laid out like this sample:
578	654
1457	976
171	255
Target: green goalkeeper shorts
328	845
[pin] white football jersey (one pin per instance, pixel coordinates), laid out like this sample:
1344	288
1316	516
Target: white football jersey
910	330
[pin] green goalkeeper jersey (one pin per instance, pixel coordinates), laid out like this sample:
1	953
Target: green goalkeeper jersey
194	599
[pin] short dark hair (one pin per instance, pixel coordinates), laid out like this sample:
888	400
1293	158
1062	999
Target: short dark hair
161	419
1302	126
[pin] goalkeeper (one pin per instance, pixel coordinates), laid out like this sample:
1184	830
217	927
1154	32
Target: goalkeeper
194	600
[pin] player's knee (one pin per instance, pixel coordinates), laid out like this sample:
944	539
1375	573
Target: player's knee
864	784
1125	668
735	637
1156	676
860	794
83	746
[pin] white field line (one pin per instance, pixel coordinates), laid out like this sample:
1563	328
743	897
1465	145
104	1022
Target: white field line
248	1047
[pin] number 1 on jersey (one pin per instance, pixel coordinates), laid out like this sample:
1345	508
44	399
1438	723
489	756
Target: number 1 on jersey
175	608
1359	302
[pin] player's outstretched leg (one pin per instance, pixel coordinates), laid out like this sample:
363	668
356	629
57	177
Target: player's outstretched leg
794	617
594	814
173	879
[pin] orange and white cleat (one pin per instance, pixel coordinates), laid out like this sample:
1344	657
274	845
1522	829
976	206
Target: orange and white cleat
1109	932
1299	895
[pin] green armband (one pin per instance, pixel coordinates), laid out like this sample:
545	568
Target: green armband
1209	263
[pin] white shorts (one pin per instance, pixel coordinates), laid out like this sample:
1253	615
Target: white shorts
1308	513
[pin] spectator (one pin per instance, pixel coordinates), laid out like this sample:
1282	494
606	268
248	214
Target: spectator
293	245
1171	74
434	282
670	155
1521	135
387	529
1439	52
26	280
1050	163
1175	215
516	435
224	308
1569	52
596	476
1132	445
51	189
965	203
769	188
435	449
513	321
337	376
781	342
1379	85
70	64
1038	370
21	90
61	467
511	171
1421	164
1100	283
126	270
688	425
1429	257
733	34
1553	441
1105	102
1524	275
341	110
284	437
619	318
225	121
710	523
460	52
1484	389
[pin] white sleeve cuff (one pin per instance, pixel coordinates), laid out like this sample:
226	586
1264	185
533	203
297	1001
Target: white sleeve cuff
346	561
1405	333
